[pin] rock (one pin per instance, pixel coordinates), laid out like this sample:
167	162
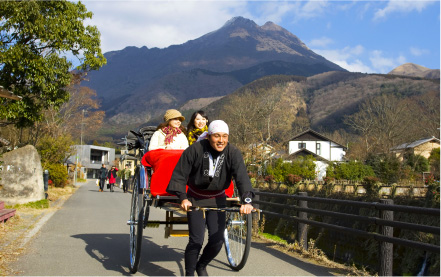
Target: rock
21	176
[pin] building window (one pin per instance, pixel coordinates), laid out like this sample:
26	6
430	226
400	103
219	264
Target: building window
318	149
302	145
98	156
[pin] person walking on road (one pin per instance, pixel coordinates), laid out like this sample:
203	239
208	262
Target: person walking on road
111	176
125	175
103	176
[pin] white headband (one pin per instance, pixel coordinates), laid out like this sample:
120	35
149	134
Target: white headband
218	126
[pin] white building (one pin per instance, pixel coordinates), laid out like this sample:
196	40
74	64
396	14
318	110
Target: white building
320	147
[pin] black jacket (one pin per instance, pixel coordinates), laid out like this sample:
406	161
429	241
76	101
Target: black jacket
192	169
103	173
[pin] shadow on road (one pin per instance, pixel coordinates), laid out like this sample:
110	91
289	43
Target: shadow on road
106	190
112	250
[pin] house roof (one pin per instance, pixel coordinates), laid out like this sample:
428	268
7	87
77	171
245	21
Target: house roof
306	152
415	143
311	135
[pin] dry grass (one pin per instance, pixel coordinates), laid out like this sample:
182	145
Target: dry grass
60	193
313	255
12	231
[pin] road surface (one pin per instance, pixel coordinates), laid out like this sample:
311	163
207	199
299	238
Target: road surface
89	236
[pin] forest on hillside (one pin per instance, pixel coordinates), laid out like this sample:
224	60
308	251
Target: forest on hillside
369	113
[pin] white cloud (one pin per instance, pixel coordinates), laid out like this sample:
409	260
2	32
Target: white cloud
293	10
320	42
418	51
275	10
384	64
164	23
158	23
358	59
350	58
313	8
402	6
355	66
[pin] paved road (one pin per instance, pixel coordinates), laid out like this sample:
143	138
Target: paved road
89	236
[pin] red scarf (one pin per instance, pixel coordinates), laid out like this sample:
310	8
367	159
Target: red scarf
170	133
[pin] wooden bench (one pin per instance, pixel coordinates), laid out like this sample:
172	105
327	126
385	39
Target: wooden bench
5	214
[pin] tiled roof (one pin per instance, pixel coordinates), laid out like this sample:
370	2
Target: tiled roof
317	135
307	152
415	143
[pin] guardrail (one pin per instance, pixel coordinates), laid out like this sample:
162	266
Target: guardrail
384	221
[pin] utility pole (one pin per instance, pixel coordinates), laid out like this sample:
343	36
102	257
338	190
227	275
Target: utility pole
81	136
80	148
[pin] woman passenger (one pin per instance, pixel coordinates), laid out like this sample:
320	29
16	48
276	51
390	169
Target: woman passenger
170	134
198	125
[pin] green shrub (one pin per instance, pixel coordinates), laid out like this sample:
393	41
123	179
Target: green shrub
279	170
54	150
434	161
433	191
372	186
302	166
417	163
352	170
386	167
57	174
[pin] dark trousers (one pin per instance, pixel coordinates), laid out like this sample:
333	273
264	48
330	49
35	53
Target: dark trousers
125	185
102	182
215	222
111	186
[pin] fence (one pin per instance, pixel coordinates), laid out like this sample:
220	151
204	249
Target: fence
384	221
353	187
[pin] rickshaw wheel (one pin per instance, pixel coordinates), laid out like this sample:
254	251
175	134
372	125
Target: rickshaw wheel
237	237
136	222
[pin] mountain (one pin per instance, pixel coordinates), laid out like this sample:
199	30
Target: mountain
414	70
320	102
139	84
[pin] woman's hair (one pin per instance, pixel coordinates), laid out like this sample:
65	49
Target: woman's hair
165	124
190	125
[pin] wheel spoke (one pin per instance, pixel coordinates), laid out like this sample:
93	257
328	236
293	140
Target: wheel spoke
237	239
136	222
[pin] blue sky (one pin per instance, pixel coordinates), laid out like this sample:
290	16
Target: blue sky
360	36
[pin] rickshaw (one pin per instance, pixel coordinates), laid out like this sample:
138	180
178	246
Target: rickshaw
147	194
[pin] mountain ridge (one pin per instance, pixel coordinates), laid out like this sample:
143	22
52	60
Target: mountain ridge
415	70
146	81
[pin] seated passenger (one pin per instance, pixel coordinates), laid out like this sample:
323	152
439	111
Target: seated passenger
197	126
169	134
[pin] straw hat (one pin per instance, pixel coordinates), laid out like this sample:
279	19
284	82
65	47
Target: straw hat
170	114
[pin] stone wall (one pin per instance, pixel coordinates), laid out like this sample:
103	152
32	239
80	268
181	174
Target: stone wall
349	187
21	176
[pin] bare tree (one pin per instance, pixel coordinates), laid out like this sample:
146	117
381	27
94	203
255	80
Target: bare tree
383	122
79	116
428	108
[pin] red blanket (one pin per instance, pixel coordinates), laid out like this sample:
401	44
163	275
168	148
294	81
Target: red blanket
163	162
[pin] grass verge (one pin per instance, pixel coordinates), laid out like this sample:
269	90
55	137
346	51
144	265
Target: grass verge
12	231
313	255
